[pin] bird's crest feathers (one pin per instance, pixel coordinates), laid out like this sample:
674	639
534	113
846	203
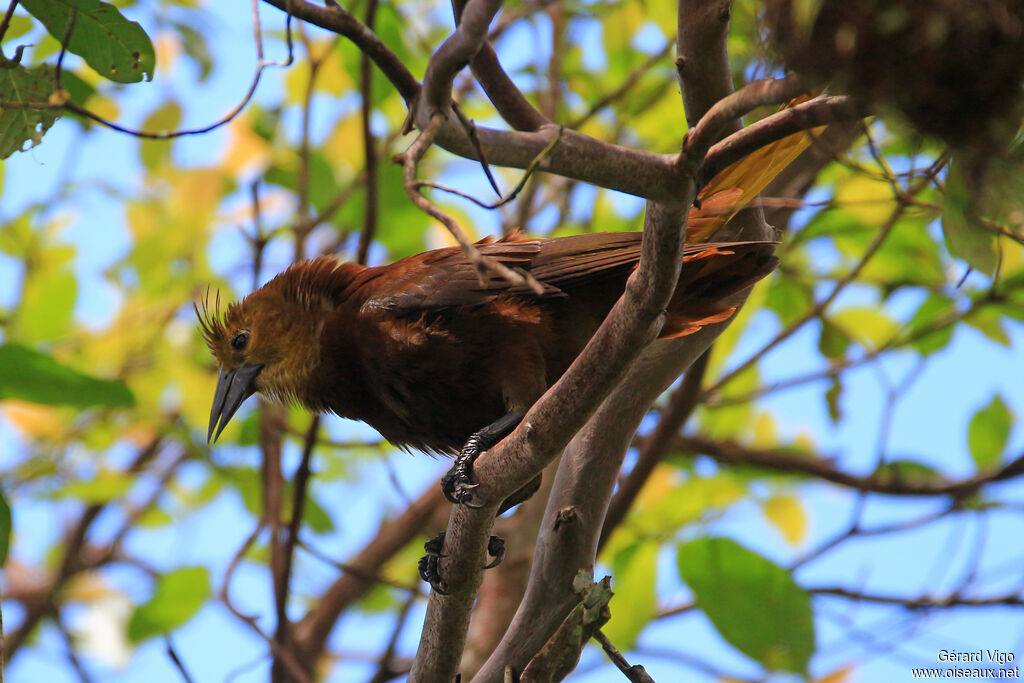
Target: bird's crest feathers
210	320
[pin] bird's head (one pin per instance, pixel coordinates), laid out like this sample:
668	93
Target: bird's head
266	343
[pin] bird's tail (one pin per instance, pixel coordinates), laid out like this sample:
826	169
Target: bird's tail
708	280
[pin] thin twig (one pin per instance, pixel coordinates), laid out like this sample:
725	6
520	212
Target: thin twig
409	160
369	146
515	191
635	673
4	25
167	135
470	128
280	653
176	660
886	483
58	70
69	651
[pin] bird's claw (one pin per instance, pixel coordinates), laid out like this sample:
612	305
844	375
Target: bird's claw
457	485
430	564
496	549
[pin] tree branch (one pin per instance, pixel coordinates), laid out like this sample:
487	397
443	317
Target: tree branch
507	99
454	54
726	111
702	61
733	453
820	111
335	18
680	406
546	429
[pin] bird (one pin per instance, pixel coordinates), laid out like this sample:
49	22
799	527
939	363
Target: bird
434	358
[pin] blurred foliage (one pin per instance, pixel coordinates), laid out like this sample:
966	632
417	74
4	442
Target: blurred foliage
105	382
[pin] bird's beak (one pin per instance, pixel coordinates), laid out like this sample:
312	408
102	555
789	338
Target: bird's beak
233	387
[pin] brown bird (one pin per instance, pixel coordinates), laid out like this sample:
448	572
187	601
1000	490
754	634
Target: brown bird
432	358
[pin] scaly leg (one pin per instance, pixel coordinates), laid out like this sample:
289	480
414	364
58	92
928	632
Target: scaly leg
457	484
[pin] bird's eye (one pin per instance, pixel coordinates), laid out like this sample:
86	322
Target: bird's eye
240	341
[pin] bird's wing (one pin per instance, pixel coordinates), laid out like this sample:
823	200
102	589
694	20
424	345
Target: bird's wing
445	279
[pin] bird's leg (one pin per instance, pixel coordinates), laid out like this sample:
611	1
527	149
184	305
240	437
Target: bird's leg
457	484
430	564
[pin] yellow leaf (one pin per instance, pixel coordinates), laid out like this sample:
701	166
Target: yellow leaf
786	513
766	432
245	148
867	199
621	24
34	420
868	326
345	143
168	49
841	675
103	106
749	175
635	575
331	77
87	587
663	480
804	440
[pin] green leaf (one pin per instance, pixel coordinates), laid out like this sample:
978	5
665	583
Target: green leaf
166	117
105	487
789	298
752	602
989	322
5	528
933	310
988	432
114	47
833	342
32	376
179	595
868	326
904	471
635	570
316	517
197	48
47	300
966	237
832	398
24	86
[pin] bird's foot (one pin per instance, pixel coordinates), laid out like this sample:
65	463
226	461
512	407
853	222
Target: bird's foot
457	485
430	564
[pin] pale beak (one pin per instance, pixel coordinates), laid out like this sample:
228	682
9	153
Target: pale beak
233	387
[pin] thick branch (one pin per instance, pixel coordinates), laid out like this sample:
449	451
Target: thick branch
546	430
507	99
455	53
727	110
577	156
682	404
820	111
703	59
